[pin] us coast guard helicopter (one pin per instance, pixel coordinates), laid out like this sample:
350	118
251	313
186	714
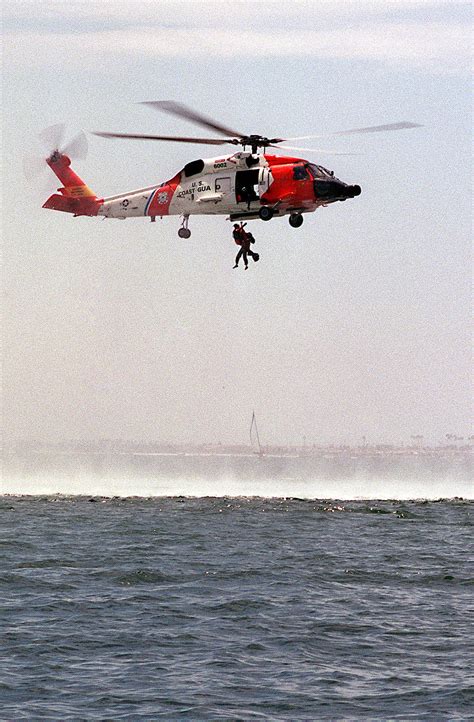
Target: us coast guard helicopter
248	184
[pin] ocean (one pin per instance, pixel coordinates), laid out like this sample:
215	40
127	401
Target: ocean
221	588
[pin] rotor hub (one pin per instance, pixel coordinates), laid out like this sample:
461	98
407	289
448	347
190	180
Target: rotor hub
256	141
55	156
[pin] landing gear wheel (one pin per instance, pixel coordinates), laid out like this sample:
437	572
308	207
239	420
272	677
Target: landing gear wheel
266	213
184	231
295	220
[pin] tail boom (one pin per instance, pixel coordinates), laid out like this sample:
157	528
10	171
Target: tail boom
75	196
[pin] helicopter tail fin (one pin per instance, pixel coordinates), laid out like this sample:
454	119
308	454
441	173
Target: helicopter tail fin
75	196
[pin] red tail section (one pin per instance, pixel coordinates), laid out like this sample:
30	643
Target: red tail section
75	196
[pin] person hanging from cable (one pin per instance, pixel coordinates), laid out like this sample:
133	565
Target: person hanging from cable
244	240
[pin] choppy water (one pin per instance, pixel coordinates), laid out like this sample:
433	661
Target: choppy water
235	609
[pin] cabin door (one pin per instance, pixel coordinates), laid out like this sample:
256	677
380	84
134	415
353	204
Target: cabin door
245	182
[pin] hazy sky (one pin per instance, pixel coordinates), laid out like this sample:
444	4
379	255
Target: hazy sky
355	324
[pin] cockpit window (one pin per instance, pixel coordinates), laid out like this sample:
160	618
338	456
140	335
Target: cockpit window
328	172
196	166
300	173
320	172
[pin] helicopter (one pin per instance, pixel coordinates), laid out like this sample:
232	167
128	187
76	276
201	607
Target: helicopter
248	184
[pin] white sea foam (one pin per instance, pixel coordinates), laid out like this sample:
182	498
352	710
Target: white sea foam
229	486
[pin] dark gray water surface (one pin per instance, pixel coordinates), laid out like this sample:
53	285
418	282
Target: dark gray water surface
235	609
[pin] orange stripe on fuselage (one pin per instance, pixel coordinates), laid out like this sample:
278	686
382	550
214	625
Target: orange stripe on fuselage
160	203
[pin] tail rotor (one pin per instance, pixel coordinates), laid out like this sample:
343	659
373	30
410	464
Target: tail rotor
52	139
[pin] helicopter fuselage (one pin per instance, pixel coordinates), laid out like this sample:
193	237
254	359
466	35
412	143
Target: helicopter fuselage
241	186
237	185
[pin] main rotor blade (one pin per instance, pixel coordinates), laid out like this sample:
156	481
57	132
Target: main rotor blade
312	150
169	106
370	129
174	138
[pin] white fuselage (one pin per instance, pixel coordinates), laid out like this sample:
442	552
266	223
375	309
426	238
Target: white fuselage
212	190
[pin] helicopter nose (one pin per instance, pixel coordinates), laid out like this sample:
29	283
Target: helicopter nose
353	191
334	190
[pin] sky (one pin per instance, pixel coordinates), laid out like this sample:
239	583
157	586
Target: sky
356	324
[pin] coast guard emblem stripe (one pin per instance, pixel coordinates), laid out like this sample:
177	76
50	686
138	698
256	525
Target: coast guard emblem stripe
152	194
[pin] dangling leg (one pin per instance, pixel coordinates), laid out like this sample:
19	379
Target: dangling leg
238	257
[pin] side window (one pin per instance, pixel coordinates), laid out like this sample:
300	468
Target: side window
196	166
300	173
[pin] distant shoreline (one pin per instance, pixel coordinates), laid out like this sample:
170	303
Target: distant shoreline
208	450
